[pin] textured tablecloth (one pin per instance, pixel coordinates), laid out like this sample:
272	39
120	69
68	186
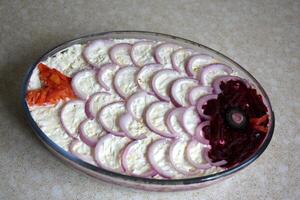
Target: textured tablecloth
263	36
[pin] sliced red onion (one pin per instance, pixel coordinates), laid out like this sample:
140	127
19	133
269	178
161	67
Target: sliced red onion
179	58
108	152
135	161
120	54
98	101
82	151
108	117
138	102
105	76
206	157
90	131
161	83
197	92
190	120
196	62
203	101
210	72
155	118
96	52
174	122
178	158
132	128
218	80
71	115
84	83
199	134
180	89
163	53
142	53
124	81
195	155
158	156
145	74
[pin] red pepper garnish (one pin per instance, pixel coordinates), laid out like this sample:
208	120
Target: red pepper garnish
55	87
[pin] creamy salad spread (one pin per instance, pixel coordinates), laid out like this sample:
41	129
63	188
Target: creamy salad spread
146	108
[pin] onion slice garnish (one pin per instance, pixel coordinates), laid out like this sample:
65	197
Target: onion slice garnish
87	76
71	115
199	134
120	54
97	101
163	53
142	53
178	158
218	80
179	58
145	74
108	152
195	155
105	76
174	124
138	102
96	52
124	81
108	117
90	131
206	157
190	120
196	62
210	72
155	118
180	89
161	83
137	150
203	101
132	128
196	92
158	156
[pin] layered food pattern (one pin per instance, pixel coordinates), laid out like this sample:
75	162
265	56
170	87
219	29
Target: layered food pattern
147	108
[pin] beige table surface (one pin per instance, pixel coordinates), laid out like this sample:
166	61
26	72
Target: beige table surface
263	36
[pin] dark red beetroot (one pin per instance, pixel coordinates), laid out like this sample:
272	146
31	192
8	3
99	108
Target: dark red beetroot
238	124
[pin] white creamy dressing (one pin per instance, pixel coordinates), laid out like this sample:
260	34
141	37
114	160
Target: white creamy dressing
48	119
69	62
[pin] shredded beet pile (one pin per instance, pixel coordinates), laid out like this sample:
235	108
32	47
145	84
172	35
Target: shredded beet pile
236	138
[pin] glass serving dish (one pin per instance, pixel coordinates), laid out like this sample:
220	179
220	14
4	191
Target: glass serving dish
138	182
